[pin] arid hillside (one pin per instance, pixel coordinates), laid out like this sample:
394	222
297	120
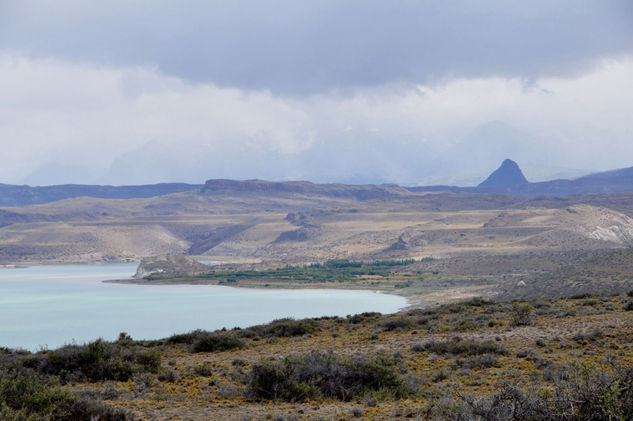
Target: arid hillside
276	223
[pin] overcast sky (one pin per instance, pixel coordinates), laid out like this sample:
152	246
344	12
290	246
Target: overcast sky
406	91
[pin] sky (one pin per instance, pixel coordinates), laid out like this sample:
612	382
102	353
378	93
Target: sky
359	91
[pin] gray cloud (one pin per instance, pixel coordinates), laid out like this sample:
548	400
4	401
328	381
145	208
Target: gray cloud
62	121
306	47
413	92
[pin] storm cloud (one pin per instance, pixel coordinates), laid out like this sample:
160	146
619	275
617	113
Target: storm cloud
301	47
413	92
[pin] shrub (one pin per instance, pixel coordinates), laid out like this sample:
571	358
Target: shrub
168	376
588	336
439	376
204	370
25	397
185	338
211	342
149	360
478	302
477	361
418	348
316	375
521	314
580	396
397	324
525	353
283	328
98	360
359	318
457	347
628	306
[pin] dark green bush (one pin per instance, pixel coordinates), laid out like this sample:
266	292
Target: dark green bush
316	375
359	318
149	360
205	370
477	361
477	302
98	360
593	335
282	328
522	314
400	323
458	347
211	342
24	396
185	338
168	375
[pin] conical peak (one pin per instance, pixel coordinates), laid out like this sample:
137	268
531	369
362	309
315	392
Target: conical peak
508	174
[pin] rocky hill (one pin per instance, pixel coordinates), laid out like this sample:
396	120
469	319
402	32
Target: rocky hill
507	175
168	266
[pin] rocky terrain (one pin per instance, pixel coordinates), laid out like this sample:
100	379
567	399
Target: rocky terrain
173	265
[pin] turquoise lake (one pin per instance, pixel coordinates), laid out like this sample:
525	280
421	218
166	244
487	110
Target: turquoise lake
49	306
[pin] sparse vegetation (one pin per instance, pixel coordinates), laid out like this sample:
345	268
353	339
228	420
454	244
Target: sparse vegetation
583	396
417	364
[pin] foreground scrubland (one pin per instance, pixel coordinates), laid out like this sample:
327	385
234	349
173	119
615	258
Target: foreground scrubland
545	359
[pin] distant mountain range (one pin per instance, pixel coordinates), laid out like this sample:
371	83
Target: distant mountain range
12	195
507	179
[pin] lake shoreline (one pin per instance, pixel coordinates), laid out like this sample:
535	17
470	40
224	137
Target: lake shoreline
415	298
53	305
268	286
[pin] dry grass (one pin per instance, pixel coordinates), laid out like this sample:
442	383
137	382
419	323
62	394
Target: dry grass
461	349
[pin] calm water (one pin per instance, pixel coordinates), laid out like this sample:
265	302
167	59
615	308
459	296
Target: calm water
51	306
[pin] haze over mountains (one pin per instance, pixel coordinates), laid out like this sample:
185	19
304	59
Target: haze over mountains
507	179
